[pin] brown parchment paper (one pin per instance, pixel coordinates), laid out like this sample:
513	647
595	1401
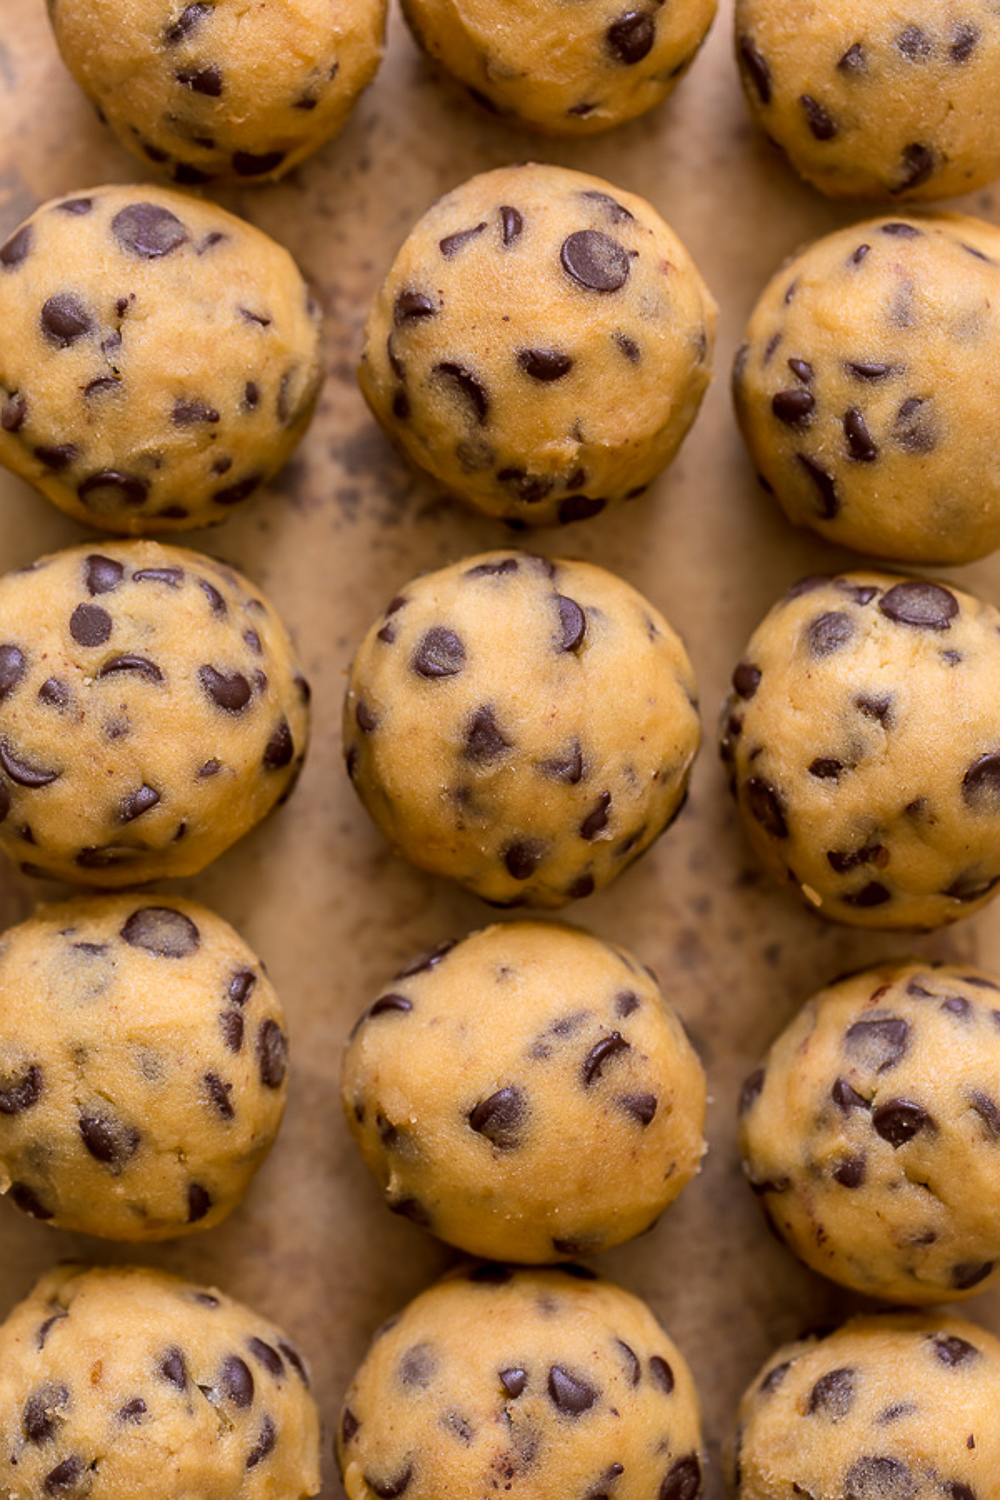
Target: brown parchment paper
315	890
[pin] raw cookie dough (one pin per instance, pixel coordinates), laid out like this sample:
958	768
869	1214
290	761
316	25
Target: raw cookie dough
570	70
151	712
527	1094
159	358
876	100
142	1066
862	737
897	1407
540	345
871	1133
537	1383
221	89
868	387
127	1384
522	725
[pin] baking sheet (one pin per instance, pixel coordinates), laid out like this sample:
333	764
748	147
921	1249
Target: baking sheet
315	890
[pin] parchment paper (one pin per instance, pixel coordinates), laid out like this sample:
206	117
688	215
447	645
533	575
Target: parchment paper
315	890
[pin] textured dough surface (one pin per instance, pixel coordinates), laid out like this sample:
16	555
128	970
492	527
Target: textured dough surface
872	1133
151	712
527	1094
126	1383
540	345
877	98
536	1384
895	1407
868	387
569	70
142	1066
159	358
522	725
221	89
863	742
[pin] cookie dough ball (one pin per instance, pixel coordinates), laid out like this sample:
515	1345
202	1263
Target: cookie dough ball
540	346
159	358
863	742
121	1383
897	1407
871	1132
866	388
221	89
568	71
876	100
527	1094
554	1383
522	725
142	1067
151	712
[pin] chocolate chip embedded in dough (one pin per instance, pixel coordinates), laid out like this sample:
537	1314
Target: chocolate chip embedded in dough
756	66
570	1392
64	319
148	230
501	1117
162	931
899	1120
272	1054
924	605
595	261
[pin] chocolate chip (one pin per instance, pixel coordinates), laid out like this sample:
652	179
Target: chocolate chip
914	44
256	164
988	1111
981	783
90	625
57	457
162	931
853	60
272	1054
19	1094
877	708
453	243
199	1202
134	804
108	1139
269	1357
173	1369
514	1379
64	319
232	1026
899	1120
682	1480
953	1351
468	386
829	632
141	665
280	748
230	691
608	1047
147	230
102	575
13	665
824	484
756	66
544	365
189	412
917	164
793	407
878	1044
746	680
17	248
109	488
40	1418
843	860
595	261
218	1092
511	224
15	409
207	80
766	805
751	1091
833	1395
580	508
774	1378
970	1273
846	1097
851	1172
913	428
265	1443
630	38
927	606
965	40
133	1410
861	445
484	740
869	370
439	653
236	1381
661	1375
390	1489
822	124
65	1476
570	1393
426	961
879	1479
411	306
596	820
501	1117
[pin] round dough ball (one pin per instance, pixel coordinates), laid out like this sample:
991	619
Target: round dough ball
566	70
522	725
863	741
875	100
159	358
142	1066
527	1094
555	1383
151	712
540	346
871	1132
120	1383
867	388
896	1407
221	89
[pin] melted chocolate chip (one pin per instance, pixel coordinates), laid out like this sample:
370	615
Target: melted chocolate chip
595	261
162	931
148	231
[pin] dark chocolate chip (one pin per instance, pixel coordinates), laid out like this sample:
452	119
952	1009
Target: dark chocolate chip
218	1094
102	575
411	306
580	508
207	80
981	783
682	1480
822	124
952	1350
916	165
65	1477
511	224
514	1379
236	1381
851	1172
756	67
20	1093
899	1120
988	1111
15	409
140	665
453	243
869	370
13	665
229	691
390	1489
439	653
596	820
544	365
853	60
570	1393
878	1044
879	1479
173	1369
425	961
16	250
833	1395
751	1090
824	485
109	488
766	805
256	164
90	625
162	931
914	44
64	319
190	18
280	748
272	1054
109	1140
57	457
630	38
593	1064
468	386
134	804
232	1026
861	445
595	261
927	606
793	407
843	860
132	1411
265	1444
147	230
913	428
746	680
189	412
199	1202
965	40
970	1273
774	1378
268	1356
661	1375
40	1418
233	494
484	740
829	632
501	1117
846	1097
